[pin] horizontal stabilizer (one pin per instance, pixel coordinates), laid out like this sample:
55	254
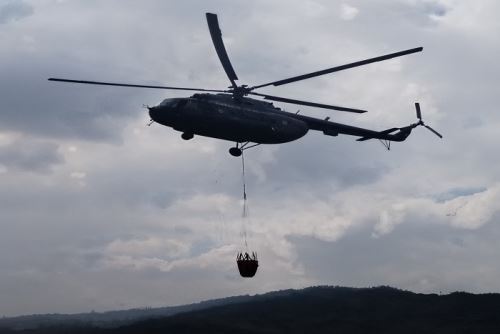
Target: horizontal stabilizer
364	138
385	132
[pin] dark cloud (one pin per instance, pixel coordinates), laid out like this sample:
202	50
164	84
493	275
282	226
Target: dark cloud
435	9
343	166
30	155
12	10
33	105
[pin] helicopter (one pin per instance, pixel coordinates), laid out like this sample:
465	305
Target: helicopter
229	114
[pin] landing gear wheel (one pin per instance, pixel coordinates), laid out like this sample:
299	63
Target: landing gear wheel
187	136
235	152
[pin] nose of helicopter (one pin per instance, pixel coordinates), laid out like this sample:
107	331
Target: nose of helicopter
163	113
154	113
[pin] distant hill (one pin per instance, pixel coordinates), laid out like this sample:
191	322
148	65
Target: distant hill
108	319
325	310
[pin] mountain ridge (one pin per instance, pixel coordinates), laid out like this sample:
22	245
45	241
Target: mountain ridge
316	310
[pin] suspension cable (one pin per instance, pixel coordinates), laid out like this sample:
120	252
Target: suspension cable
245	204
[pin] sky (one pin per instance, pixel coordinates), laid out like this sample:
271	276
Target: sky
98	211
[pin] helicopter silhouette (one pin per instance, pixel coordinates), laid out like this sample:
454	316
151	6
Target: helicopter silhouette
233	116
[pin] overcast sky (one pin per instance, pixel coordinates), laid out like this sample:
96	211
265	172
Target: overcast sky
99	211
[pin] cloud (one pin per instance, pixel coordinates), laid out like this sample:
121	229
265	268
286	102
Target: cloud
216	257
348	12
418	255
473	211
459	192
59	112
28	154
151	246
13	10
470	211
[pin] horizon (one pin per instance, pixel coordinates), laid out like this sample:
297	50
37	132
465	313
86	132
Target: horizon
145	308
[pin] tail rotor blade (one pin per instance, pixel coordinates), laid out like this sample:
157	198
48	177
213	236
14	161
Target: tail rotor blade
417	107
433	131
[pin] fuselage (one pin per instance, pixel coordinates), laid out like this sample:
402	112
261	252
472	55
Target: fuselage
224	117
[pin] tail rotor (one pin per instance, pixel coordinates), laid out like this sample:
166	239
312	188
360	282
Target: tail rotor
421	122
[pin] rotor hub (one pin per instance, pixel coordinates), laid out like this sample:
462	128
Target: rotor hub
240	91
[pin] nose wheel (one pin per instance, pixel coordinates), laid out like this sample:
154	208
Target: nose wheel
187	136
235	151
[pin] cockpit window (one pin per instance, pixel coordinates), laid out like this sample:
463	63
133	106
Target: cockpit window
166	102
174	103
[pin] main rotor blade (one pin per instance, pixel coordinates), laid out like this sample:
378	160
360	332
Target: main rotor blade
134	86
417	107
310	104
216	34
434	131
339	68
